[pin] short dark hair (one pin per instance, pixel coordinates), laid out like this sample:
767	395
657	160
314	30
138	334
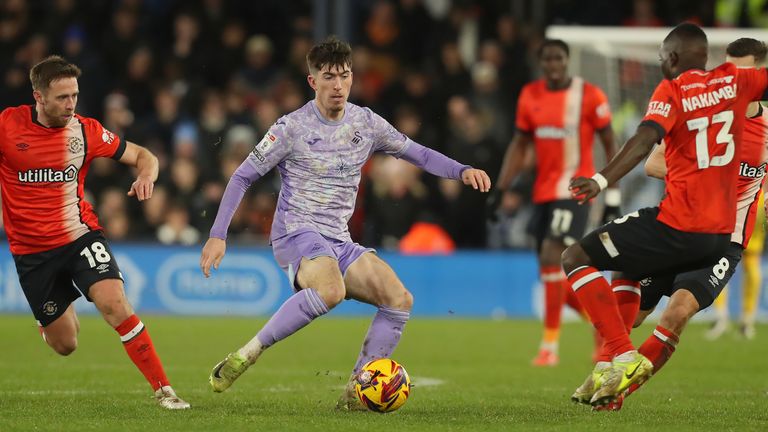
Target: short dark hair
743	47
50	69
554	43
687	32
332	51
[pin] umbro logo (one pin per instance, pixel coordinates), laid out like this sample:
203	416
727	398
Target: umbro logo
22	147
102	268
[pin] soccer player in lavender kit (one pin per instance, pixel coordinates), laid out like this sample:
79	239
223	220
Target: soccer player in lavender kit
319	150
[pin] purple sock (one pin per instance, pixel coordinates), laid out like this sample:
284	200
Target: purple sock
299	310
383	335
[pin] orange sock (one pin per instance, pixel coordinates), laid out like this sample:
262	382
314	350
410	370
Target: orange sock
140	349
552	277
659	347
627	294
596	297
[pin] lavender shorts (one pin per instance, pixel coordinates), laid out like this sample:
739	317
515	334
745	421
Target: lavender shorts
290	249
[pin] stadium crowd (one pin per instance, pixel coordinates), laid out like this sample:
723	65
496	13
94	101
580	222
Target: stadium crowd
199	82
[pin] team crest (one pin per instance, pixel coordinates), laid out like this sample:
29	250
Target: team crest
50	308
75	144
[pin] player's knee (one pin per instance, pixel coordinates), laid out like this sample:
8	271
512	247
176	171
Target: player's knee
332	294
404	301
64	347
573	257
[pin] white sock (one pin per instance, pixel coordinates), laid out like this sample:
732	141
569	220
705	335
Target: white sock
549	346
252	350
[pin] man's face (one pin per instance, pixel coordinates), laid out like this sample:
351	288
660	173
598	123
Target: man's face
332	85
554	63
58	101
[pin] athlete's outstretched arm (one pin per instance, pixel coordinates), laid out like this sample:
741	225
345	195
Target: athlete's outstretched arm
635	150
515	159
215	247
441	165
656	166
147	166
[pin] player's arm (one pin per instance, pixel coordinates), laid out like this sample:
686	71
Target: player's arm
441	165
655	165
147	167
634	151
216	246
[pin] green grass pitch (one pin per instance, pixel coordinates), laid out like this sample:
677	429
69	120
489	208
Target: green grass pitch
467	374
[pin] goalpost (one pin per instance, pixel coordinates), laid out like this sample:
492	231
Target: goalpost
624	63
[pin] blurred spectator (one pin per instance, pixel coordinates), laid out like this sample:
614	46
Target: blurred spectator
643	15
176	228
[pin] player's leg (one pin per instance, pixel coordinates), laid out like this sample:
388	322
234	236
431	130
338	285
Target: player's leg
50	294
314	272
752	274
61	334
564	222
553	281
370	280
94	269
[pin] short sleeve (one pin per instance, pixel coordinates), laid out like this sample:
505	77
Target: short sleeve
598	110
662	108
273	148
387	139
754	82
523	121
101	142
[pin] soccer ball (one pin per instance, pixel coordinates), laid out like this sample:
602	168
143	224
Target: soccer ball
383	385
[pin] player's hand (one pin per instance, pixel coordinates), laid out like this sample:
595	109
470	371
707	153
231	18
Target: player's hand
583	189
610	213
142	188
476	178
213	253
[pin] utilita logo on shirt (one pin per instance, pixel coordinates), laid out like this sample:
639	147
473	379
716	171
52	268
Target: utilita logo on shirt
48	175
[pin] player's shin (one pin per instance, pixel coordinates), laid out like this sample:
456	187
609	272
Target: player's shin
298	311
659	347
595	295
141	350
383	335
627	293
552	278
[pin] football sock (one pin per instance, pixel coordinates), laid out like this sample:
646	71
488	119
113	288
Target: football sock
572	301
627	294
383	335
596	297
299	310
140	349
751	290
659	347
552	278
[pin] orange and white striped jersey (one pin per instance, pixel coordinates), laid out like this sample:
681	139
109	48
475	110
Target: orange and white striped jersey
562	124
42	171
751	176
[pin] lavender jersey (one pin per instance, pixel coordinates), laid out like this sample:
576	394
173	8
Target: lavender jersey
320	162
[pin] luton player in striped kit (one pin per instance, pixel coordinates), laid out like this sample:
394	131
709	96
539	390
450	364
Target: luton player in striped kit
54	234
705	283
700	115
557	116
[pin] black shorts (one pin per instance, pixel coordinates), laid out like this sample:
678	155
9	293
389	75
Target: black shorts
563	220
53	279
640	246
705	283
